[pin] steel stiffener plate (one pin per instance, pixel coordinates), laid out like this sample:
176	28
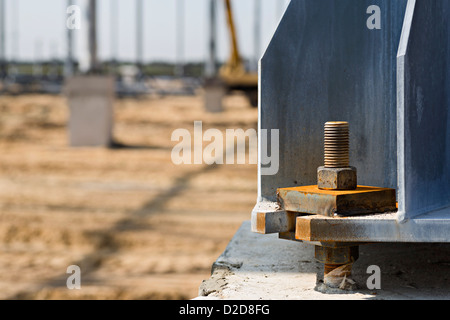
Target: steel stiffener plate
312	200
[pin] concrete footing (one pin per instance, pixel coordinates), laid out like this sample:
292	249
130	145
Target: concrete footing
90	100
214	92
255	266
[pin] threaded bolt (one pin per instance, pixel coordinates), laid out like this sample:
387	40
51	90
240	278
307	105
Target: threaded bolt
337	144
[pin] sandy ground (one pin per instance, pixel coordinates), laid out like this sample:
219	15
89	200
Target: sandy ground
139	226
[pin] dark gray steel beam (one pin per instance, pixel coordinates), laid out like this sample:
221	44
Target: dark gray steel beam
424	108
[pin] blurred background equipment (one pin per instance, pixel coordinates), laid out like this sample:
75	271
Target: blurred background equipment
214	87
174	73
133	78
233	75
2	40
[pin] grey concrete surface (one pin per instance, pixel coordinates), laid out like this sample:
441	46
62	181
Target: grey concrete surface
264	267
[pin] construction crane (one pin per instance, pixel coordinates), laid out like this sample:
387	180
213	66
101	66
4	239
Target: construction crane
233	73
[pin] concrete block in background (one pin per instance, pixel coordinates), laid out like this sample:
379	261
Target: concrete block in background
91	100
215	91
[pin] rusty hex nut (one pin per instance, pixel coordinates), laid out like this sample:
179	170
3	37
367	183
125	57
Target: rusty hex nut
336	256
337	178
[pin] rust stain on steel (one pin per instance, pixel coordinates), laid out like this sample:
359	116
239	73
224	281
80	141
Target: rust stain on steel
312	200
306	230
303	231
276	222
261	222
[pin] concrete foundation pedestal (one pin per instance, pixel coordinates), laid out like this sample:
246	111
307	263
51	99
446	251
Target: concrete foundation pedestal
90	100
215	91
264	267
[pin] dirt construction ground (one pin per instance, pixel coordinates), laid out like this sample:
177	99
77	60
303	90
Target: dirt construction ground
138	226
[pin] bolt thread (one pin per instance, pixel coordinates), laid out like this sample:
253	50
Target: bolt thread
337	145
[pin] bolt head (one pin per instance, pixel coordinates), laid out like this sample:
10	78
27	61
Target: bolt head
337	178
336	256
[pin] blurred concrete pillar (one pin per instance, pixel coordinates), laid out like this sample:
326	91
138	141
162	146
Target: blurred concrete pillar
257	33
214	92
90	95
38	69
210	67
114	35
13	69
91	100
2	40
214	88
139	35
68	65
179	68
93	58
88	60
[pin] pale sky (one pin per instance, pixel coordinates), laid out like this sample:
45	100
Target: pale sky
36	28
